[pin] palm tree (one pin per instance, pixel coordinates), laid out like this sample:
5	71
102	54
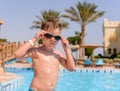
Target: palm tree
48	15
83	14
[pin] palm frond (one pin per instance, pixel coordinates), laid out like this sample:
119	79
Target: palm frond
49	15
84	13
95	16
72	14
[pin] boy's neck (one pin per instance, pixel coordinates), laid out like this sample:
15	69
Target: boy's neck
45	48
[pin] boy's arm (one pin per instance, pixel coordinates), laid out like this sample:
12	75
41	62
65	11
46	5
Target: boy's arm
68	61
23	50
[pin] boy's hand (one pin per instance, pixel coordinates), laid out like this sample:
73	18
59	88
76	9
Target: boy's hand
64	42
39	34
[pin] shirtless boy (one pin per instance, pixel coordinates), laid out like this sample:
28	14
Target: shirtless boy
46	58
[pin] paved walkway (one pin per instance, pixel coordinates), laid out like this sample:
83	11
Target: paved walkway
19	65
7	76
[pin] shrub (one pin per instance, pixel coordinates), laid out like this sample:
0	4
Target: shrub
113	56
118	55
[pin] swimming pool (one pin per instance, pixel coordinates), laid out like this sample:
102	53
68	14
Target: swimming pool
79	80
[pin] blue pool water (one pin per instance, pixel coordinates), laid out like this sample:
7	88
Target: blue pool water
78	81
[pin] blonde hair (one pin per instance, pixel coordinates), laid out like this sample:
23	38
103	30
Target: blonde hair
50	25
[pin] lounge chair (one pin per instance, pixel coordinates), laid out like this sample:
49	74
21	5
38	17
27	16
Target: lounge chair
87	62
117	65
99	62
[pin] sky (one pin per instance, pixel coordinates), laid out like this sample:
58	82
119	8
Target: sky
18	17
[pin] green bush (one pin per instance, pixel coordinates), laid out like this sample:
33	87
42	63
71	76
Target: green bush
97	56
113	56
88	52
118	55
3	40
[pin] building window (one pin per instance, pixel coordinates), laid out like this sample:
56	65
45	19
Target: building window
114	51
109	51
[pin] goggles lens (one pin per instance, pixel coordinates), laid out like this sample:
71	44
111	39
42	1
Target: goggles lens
47	35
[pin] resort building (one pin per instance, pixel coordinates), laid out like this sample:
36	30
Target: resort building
111	37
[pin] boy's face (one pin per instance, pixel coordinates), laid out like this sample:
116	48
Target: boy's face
51	38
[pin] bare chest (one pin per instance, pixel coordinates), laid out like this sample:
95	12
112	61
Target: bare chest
40	59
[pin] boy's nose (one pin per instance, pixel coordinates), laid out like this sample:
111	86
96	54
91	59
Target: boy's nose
53	38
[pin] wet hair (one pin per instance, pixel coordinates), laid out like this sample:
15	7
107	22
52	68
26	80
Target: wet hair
50	25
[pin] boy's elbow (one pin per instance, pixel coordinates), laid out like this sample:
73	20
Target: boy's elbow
16	55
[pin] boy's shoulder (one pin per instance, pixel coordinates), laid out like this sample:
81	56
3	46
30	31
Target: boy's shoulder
57	52
34	49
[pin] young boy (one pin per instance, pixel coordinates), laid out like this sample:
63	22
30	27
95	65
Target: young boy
46	58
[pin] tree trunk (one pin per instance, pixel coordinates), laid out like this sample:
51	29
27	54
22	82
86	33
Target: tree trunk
82	41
